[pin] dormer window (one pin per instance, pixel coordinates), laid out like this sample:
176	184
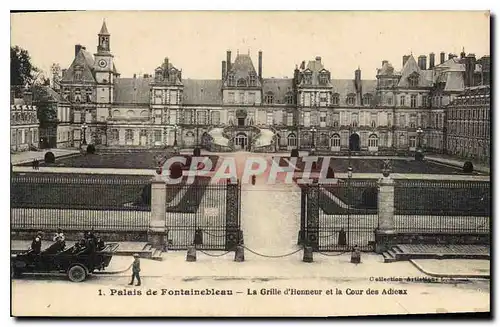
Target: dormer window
323	79
335	99
413	80
78	95
66	93
78	73
158	75
253	79
308	78
230	80
367	99
242	82
289	98
173	76
269	98
351	100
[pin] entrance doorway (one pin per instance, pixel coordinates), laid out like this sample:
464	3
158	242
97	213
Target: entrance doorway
241	141
354	142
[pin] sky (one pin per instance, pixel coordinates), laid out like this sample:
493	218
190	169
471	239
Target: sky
196	42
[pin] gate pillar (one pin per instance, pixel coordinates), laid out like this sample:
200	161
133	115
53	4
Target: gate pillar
157	230
312	218
385	233
303	213
232	215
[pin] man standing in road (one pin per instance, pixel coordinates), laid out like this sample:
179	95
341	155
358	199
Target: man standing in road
136	268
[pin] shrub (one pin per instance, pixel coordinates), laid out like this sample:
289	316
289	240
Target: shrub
468	167
49	158
196	152
176	170
419	156
294	153
90	149
369	198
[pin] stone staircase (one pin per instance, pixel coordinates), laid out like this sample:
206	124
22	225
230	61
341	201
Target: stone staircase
404	252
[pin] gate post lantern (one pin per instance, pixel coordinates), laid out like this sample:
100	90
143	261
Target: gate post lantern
384	234
157	230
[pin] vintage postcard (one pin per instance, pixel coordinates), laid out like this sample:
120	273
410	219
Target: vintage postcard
248	164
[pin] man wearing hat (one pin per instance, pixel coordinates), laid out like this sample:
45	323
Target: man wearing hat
136	268
36	244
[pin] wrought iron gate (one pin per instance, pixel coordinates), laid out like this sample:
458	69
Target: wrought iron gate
203	214
336	217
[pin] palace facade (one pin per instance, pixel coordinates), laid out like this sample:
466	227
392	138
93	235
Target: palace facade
397	111
23	123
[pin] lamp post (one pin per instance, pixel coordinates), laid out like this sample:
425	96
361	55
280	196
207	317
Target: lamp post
84	129
175	134
419	135
313	132
349	176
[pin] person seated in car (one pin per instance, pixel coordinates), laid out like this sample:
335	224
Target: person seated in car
60	239
79	246
36	244
100	244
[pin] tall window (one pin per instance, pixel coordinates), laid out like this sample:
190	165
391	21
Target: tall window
215	117
307	119
269	98
201	118
242	97
188	117
322	119
88	96
289	119
78	73
402	101
66	93
413	101
270	119
413	81
367	99
158	97
231	97
129	136
78	95
307	99
336	120
157	135
173	97
335	99
354	119
413	121
322	99
114	136
251	98
373	141
402	120
389	100
424	101
351	100
289	98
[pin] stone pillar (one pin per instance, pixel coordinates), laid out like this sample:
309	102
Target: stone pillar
384	235
157	231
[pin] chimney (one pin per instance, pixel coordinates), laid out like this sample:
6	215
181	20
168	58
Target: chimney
432	58
422	62
384	62
223	70
451	56
135	76
462	54
228	60
470	67
318	59
442	57
78	47
145	76
165	69
260	64
357	76
28	98
405	59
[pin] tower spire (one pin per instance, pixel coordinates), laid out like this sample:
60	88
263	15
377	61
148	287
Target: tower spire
104	29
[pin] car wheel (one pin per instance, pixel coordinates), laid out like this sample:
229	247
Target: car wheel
77	273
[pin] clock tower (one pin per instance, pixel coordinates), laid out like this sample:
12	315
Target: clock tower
103	67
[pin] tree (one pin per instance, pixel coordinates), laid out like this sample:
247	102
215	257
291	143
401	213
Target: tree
22	72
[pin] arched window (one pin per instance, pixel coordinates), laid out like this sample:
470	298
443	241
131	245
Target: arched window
373	141
242	82
144	113
269	98
335	140
130	113
367	99
292	140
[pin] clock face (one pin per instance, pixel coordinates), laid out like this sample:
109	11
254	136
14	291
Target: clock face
102	63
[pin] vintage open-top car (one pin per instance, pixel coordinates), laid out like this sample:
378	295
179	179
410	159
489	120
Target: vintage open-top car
77	261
